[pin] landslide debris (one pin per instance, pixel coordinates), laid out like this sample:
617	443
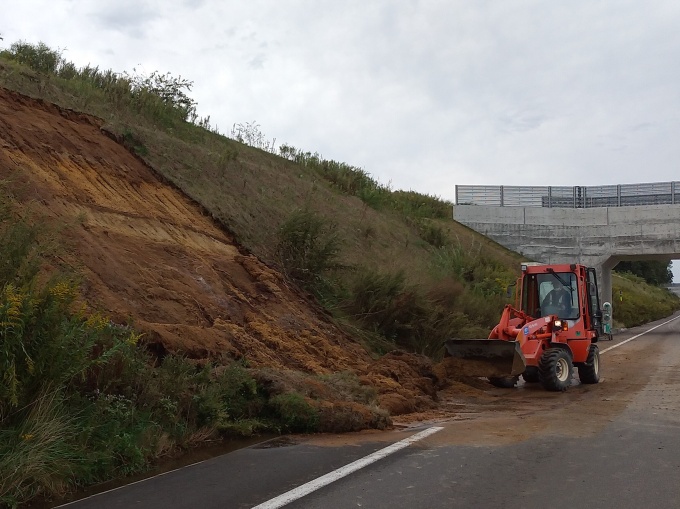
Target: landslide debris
152	258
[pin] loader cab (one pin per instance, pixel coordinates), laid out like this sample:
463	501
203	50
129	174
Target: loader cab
551	293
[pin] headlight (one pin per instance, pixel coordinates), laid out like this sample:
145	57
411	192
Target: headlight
560	325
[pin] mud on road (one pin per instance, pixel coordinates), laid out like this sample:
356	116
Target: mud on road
485	415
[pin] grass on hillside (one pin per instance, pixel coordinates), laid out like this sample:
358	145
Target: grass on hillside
635	302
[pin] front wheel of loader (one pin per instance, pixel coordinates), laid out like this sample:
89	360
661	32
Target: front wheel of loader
504	382
589	372
555	369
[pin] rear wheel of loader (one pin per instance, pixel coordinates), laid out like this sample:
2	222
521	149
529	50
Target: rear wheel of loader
554	369
504	382
589	372
530	375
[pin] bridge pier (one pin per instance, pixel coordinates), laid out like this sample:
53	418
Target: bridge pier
603	269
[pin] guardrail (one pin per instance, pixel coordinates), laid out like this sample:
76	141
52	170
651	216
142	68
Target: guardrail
577	197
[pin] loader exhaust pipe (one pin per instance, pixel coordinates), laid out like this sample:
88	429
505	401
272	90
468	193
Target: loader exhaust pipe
485	357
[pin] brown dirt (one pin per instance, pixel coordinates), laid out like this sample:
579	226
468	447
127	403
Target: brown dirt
483	415
153	258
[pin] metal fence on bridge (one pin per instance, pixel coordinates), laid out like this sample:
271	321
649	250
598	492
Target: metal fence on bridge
622	195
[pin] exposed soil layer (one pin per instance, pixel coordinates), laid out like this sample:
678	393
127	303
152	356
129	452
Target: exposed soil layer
153	258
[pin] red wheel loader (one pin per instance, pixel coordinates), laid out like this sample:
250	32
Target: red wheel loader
554	325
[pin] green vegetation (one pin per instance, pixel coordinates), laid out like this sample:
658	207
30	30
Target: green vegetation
635	302
355	181
308	250
654	272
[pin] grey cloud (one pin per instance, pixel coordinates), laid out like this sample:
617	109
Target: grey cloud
194	4
128	16
521	121
643	126
257	62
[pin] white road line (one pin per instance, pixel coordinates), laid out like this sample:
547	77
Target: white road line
319	482
637	336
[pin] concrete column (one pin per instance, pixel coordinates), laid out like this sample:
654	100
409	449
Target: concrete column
603	266
604	279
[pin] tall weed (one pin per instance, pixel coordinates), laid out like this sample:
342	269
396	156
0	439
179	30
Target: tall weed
308	248
39	453
19	249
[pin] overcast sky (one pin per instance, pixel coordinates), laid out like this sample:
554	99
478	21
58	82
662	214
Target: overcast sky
423	95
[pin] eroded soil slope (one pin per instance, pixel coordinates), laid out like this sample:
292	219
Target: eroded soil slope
151	257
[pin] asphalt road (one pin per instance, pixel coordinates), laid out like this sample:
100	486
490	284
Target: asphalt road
611	445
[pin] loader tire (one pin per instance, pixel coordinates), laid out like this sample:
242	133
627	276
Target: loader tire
589	371
555	369
530	375
504	382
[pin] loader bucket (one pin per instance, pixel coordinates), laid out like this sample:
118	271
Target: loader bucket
485	357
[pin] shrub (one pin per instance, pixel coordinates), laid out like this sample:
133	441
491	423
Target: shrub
38	57
231	397
294	412
308	248
385	303
431	233
347	386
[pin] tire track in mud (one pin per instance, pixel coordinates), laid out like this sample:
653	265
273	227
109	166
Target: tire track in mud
490	416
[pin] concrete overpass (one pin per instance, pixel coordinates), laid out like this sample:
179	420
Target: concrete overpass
597	226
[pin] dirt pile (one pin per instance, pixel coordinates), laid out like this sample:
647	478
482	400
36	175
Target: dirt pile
154	259
405	382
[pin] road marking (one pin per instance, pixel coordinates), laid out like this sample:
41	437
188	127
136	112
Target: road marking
641	334
320	482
